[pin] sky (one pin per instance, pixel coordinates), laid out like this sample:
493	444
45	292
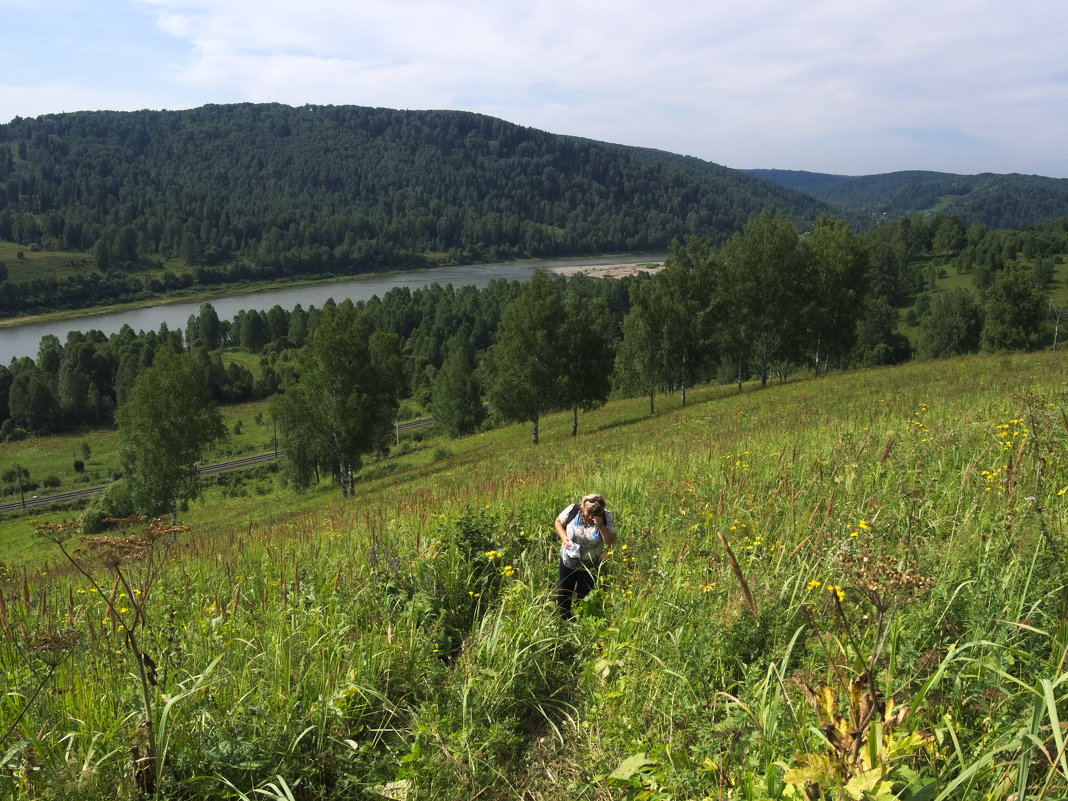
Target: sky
852	87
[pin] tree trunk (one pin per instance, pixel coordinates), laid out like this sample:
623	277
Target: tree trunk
652	408
574	420
685	375
763	362
534	421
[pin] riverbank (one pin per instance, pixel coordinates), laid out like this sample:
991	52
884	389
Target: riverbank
22	336
591	266
202	296
609	270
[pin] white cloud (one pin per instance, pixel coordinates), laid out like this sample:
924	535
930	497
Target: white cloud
765	83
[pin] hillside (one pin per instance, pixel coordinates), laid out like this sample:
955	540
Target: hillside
284	191
996	201
857	581
808	182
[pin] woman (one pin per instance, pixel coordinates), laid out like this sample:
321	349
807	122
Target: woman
584	529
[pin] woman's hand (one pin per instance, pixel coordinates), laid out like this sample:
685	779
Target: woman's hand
561	532
602	527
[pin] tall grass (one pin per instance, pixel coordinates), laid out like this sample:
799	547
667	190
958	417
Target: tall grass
830	588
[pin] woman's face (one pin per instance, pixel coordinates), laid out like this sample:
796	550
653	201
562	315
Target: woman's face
589	511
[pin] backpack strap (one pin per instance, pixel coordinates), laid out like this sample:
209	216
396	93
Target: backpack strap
571	512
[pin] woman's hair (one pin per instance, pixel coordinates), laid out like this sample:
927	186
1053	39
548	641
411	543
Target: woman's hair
593	503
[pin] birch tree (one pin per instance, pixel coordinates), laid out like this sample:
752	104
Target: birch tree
762	265
587	343
526	365
165	425
344	404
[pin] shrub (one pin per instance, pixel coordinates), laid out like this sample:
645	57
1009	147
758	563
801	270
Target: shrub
12	475
114	501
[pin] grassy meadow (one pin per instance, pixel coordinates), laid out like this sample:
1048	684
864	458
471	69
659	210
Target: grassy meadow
844	588
41	264
50	462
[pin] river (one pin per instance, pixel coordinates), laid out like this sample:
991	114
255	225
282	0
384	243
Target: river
24	340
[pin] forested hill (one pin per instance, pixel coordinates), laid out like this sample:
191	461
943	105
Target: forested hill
340	188
997	201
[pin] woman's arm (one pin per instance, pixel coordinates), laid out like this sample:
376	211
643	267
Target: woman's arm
561	531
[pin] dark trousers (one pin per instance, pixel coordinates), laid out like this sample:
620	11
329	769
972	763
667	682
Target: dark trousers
575	584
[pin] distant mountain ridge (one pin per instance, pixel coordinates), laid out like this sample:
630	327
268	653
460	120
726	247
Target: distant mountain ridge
997	201
267	191
321	189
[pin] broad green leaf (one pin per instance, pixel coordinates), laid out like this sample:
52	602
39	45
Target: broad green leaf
629	766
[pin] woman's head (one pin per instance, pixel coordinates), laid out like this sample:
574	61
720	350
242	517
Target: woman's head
593	504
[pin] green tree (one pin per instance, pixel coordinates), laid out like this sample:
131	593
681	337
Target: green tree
952	326
762	265
277	323
640	361
585	334
878	340
297	423
124	243
298	327
165	424
50	354
75	379
253	331
101	255
31	402
526	365
345	401
949	236
1014	309
835	264
457	395
684	296
208	328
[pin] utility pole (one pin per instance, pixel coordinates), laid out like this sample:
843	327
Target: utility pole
18	472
